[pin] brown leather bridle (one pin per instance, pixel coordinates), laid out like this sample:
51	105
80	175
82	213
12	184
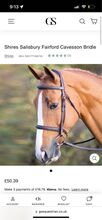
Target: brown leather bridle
61	130
64	96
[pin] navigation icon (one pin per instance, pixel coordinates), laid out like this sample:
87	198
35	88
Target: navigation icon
11	20
82	21
12	199
94	20
89	198
63	198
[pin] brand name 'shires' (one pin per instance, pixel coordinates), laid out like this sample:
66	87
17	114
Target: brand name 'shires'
50	21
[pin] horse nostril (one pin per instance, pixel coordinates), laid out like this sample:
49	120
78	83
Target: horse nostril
44	156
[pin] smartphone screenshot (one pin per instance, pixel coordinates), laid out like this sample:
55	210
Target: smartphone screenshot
51	111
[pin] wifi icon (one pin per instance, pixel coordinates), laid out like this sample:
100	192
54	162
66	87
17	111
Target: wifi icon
83	6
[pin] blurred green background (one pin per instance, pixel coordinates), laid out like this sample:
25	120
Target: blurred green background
18	119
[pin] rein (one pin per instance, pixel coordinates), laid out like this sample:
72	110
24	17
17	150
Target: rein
60	129
75	145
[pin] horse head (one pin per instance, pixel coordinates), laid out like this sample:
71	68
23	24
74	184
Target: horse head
48	104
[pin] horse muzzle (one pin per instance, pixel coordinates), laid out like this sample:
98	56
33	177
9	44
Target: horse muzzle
50	155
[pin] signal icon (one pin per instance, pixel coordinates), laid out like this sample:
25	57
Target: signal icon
77	7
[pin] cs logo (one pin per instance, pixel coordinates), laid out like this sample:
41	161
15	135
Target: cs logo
50	21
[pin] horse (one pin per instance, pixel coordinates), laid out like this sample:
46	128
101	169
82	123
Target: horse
63	97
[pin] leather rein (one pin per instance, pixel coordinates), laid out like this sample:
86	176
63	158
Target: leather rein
60	129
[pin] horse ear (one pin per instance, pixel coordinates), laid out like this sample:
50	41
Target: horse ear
38	74
50	73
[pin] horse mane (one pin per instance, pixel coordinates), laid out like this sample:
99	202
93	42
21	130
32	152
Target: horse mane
77	70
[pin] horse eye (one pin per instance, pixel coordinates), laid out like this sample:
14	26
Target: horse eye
53	105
